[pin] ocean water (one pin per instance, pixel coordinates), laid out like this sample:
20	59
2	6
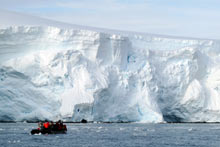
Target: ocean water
114	135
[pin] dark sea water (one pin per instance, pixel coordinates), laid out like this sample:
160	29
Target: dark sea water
114	135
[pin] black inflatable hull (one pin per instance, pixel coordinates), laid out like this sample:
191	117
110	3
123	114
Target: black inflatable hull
36	131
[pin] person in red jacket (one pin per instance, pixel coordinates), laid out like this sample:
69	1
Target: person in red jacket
46	125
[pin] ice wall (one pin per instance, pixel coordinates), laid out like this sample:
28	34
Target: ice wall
75	74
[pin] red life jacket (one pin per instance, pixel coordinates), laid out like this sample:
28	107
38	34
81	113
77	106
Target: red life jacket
46	125
59	127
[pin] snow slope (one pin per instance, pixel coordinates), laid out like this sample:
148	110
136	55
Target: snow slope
51	72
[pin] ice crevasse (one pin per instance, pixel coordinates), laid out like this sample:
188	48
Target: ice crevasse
74	74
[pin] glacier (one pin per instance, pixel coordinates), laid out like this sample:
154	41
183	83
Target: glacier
50	72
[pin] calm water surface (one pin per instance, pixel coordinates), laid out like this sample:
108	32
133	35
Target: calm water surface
114	135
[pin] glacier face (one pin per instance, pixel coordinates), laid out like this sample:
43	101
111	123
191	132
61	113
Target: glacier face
75	74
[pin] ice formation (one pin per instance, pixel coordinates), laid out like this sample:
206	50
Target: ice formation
74	74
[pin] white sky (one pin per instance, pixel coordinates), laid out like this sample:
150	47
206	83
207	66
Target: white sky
191	18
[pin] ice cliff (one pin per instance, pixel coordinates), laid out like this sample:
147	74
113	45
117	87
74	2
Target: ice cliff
74	74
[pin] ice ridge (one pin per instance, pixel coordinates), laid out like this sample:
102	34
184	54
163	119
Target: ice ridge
74	74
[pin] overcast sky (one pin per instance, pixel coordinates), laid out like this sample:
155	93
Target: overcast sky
192	18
